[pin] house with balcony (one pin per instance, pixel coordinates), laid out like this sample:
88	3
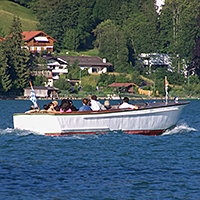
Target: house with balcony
37	41
56	65
95	65
51	67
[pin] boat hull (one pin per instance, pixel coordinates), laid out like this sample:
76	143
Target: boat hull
151	120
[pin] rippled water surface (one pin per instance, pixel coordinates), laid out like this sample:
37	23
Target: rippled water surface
107	166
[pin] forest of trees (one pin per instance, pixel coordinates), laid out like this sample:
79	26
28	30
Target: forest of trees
122	29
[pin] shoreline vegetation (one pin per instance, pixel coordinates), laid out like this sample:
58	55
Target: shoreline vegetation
100	98
107	36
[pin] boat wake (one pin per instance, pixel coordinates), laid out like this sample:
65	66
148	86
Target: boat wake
17	132
180	128
11	131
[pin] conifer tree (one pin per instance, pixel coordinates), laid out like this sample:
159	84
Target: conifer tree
5	81
17	56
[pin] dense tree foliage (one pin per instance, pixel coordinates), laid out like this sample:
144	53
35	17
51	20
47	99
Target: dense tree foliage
39	80
122	29
196	50
106	79
5	83
15	60
62	84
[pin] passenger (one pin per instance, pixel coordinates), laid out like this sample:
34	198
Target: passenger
107	105
45	107
32	110
51	107
65	107
64	101
73	108
55	103
175	99
96	105
57	108
85	106
89	102
126	104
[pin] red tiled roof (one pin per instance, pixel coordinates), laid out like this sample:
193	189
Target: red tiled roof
1	39
31	34
122	84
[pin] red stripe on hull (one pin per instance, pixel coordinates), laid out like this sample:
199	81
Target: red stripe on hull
76	133
147	132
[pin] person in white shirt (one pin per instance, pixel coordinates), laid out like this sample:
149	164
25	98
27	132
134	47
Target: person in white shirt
96	105
126	104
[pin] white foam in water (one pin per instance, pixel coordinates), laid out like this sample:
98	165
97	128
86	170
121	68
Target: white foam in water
16	132
181	128
6	131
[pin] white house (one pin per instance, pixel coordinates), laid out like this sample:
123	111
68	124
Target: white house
156	59
93	64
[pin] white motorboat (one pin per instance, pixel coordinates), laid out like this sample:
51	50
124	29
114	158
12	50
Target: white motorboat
151	119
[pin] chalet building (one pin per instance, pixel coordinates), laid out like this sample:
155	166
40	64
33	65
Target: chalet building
56	65
42	92
51	67
93	64
37	41
129	87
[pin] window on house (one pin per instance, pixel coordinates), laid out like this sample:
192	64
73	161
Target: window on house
94	70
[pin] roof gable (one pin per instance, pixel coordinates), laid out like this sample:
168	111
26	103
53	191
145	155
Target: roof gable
50	57
42	88
31	34
122	85
86	60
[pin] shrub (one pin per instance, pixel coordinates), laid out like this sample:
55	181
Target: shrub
62	84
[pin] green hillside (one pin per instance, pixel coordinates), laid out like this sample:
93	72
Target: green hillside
7	11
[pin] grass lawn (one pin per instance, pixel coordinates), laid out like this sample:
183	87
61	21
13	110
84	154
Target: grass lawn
91	52
91	80
9	9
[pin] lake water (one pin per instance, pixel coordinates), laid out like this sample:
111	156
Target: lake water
107	166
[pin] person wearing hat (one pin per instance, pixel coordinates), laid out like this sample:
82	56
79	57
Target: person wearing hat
55	106
96	105
55	103
107	105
